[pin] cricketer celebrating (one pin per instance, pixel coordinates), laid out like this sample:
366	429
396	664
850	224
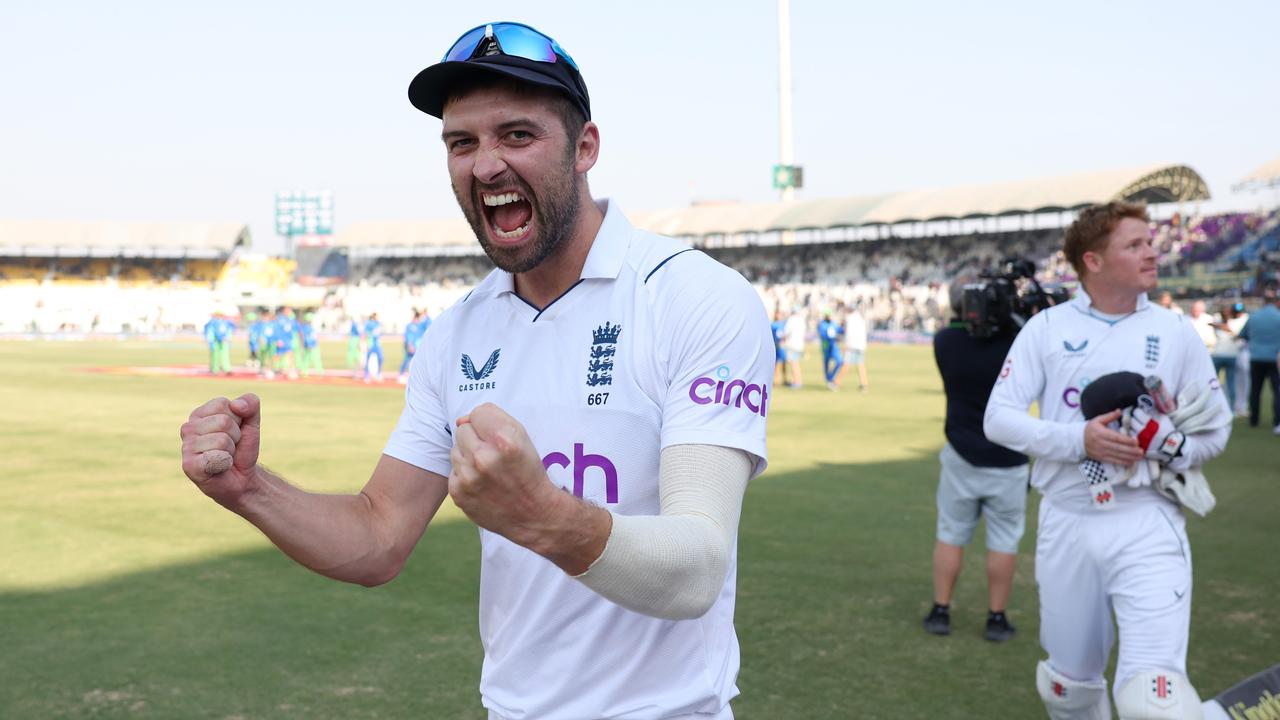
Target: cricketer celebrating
596	406
1110	537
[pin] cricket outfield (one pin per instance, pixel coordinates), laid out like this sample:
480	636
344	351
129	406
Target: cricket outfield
125	593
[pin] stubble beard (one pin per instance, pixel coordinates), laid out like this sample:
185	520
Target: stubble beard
555	214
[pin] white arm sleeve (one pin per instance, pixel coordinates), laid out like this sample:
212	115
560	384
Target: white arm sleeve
673	565
1021	383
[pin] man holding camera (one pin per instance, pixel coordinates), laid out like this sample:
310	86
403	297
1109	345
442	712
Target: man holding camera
979	478
1123	549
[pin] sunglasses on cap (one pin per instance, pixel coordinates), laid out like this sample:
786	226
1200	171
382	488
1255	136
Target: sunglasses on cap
507	38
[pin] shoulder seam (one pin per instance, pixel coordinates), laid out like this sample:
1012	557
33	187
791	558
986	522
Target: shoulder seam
664	262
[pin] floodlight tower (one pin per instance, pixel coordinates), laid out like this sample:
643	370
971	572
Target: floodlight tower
786	175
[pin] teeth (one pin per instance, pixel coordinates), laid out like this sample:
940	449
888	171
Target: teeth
503	199
513	234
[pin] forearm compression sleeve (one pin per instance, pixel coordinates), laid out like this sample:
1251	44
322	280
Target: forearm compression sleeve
673	565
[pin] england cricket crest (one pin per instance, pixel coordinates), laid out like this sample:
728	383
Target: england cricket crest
604	344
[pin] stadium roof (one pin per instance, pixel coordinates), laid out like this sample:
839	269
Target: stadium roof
452	232
1156	183
73	238
1265	176
1153	183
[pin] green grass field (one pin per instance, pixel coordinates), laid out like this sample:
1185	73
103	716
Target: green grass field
125	593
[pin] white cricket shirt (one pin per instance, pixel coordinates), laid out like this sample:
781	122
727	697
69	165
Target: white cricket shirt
656	345
1059	352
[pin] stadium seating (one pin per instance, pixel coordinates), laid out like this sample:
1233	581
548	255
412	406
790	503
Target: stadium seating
900	283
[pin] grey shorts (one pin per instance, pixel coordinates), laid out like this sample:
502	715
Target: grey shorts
853	357
967	492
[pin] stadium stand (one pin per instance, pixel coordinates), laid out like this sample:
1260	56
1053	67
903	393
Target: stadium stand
890	254
112	277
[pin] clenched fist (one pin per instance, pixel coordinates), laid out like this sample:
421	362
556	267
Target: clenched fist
220	447
498	479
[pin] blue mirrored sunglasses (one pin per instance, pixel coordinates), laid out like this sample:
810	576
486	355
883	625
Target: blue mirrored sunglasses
513	39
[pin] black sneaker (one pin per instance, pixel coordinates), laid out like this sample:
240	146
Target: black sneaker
938	621
998	627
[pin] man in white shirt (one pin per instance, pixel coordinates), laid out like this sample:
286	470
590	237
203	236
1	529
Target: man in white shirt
1203	324
596	406
794	335
855	345
1124	550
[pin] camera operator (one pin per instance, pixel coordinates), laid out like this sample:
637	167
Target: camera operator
978	478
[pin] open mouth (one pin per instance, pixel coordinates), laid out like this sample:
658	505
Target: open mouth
509	214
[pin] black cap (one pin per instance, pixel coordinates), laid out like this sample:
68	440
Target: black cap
430	89
1115	391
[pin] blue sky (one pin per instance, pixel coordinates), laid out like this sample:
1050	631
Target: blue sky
201	111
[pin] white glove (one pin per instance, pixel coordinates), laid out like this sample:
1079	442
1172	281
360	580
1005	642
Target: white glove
1198	412
1142	473
1189	488
1155	432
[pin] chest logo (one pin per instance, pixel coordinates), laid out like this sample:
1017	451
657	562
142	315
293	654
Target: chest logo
604	344
470	372
1075	348
1152	355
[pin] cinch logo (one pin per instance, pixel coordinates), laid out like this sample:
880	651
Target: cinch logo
580	462
723	391
1071	396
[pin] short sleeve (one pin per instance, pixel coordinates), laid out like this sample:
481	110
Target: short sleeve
423	436
719	362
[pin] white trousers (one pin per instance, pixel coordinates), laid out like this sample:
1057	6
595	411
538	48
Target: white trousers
725	713
1134	561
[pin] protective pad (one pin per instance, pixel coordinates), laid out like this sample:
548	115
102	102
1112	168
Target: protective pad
1158	695
1067	699
1115	391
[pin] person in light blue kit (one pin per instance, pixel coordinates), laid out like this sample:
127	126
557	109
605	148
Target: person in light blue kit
373	356
355	348
211	339
255	338
413	333
311	363
286	329
223	328
267	344
829	336
778	326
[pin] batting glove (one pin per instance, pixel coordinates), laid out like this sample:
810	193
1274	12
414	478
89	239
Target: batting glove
1189	488
1155	432
1199	410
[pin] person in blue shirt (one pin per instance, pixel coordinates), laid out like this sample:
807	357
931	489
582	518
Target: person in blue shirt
1262	332
413	333
779	323
286	330
829	336
211	339
311	363
373	356
223	328
255	337
267	332
355	348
